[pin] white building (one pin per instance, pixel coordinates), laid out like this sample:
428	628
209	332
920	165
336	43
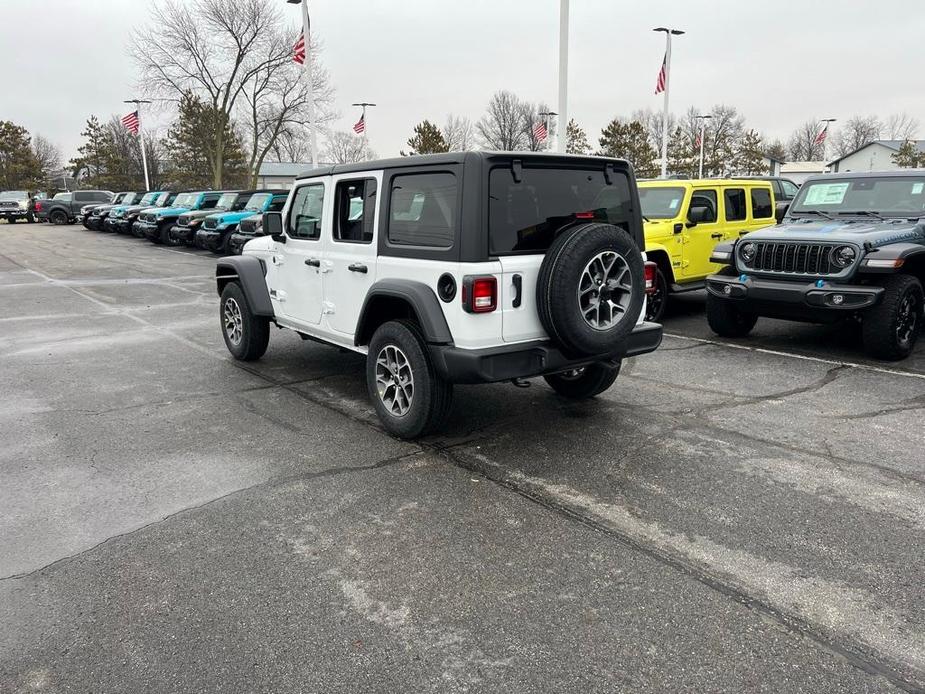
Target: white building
874	156
274	174
799	171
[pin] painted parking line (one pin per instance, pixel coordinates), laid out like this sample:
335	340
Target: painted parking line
802	357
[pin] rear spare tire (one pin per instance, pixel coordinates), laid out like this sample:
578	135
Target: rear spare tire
590	289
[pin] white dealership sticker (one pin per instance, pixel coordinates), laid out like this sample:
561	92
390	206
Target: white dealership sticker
826	194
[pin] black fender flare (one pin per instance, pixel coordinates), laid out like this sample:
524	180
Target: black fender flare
248	272
422	300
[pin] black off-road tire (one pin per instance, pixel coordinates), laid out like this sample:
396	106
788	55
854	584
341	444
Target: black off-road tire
656	303
726	319
251	341
58	217
431	396
584	383
890	329
559	288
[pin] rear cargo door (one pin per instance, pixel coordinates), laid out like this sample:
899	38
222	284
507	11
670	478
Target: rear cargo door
517	298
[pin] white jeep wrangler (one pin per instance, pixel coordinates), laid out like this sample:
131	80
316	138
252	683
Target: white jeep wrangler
469	267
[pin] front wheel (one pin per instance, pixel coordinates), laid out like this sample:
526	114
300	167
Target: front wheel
891	328
246	335
585	382
410	397
728	320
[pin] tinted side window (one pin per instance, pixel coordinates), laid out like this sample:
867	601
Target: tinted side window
422	210
761	203
305	214
705	199
735	204
790	190
355	211
83	197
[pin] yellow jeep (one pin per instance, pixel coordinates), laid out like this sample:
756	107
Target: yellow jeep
685	219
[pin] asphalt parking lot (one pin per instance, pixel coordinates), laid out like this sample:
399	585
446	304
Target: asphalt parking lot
729	517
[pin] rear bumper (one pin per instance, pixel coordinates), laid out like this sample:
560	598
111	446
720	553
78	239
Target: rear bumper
530	359
799	300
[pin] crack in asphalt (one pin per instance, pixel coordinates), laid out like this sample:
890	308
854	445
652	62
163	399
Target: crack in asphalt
916	403
268	484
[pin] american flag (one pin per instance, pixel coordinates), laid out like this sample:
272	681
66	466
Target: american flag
360	126
697	140
539	132
298	50
820	138
132	122
662	76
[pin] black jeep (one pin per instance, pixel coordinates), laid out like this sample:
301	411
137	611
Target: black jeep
851	245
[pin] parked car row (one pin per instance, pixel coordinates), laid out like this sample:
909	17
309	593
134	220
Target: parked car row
204	219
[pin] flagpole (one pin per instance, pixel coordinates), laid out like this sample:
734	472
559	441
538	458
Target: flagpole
825	135
563	75
313	133
668	34
141	138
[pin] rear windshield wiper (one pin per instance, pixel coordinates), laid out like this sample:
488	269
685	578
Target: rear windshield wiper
864	213
817	212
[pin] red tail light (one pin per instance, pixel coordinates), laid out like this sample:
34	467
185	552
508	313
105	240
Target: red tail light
650	275
584	215
38	205
480	294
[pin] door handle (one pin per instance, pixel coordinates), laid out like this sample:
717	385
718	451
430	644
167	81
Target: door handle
314	262
716	236
517	281
357	267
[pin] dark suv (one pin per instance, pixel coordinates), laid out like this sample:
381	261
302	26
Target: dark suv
851	245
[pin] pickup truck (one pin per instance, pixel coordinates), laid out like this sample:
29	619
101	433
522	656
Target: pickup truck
15	205
64	208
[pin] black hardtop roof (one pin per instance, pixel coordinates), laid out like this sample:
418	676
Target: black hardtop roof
454	158
842	175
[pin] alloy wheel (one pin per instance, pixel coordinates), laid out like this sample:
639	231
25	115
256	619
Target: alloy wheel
394	380
605	290
234	323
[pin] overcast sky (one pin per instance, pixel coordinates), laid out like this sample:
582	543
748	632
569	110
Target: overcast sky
779	63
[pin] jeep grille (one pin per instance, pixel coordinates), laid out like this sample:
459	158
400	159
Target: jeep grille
209	223
248	226
791	258
148	218
184	220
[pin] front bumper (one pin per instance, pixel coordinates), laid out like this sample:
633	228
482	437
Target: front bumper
14	214
184	234
95	223
530	359
147	229
236	242
209	239
801	300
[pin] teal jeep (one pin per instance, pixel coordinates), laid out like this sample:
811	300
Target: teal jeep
215	230
155	224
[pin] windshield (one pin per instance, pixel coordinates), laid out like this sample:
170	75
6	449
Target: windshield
185	200
128	198
524	216
902	196
661	202
257	201
14	195
148	198
227	201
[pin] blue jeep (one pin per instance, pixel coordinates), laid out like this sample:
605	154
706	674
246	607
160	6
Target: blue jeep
155	225
215	230
184	231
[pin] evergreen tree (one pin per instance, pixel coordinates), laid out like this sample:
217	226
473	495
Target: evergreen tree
683	160
776	150
427	139
576	140
19	168
908	156
191	141
630	141
90	166
749	159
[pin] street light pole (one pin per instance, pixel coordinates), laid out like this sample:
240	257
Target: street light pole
563	74
668	34
306	33
363	105
141	137
703	128
546	115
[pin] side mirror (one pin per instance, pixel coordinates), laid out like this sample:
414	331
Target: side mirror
273	226
697	215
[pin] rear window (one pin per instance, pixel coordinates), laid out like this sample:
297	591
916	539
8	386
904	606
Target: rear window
761	203
735	204
422	210
524	216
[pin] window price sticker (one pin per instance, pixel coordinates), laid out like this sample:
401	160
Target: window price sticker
826	194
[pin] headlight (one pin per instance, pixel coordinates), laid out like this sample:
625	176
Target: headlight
843	256
748	252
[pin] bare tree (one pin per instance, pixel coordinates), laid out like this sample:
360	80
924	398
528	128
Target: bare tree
46	154
218	51
901	126
346	148
292	145
502	127
458	133
652	122
530	117
855	133
802	144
